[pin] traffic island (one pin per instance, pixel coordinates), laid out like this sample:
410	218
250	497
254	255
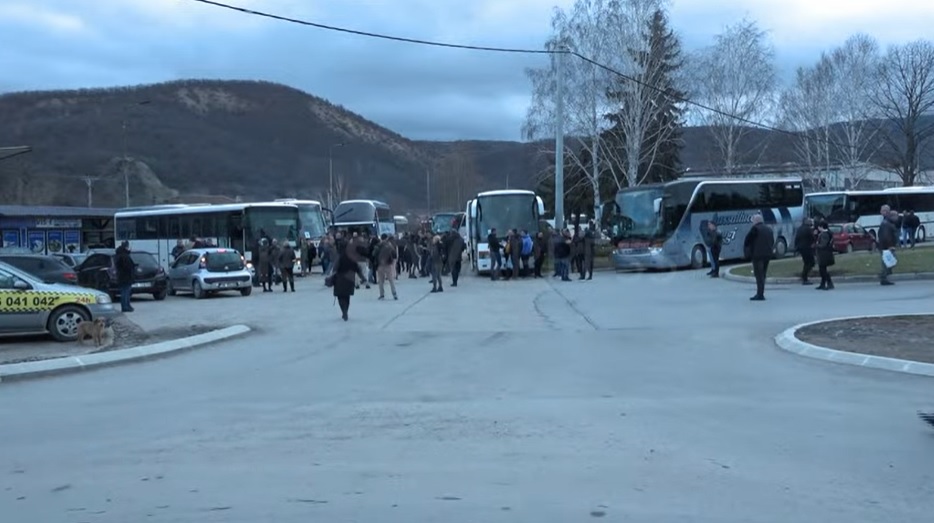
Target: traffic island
900	343
857	267
23	358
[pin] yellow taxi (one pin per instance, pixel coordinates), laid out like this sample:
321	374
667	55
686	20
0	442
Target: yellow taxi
30	306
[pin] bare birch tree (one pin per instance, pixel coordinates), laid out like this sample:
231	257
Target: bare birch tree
736	79
808	109
904	96
856	138
583	30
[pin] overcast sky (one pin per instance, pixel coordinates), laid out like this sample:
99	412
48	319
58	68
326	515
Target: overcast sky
420	92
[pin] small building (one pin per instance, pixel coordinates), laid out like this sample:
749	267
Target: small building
51	229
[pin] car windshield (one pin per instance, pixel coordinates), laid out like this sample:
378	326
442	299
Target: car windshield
636	216
312	220
226	260
506	211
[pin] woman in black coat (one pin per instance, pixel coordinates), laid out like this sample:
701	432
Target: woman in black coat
824	255
346	270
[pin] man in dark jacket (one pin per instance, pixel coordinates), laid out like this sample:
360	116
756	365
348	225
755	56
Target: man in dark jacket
887	238
804	245
455	255
125	267
758	246
496	259
714	240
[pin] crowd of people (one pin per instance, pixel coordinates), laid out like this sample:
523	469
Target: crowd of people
815	244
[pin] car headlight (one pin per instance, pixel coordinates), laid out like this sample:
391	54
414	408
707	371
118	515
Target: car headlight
103	298
655	250
249	265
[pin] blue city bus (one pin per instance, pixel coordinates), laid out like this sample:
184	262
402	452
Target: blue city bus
663	226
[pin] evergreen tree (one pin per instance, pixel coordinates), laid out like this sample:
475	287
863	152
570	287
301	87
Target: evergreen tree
659	64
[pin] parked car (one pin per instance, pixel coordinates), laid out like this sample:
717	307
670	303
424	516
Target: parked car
29	305
71	259
849	237
210	270
46	268
98	272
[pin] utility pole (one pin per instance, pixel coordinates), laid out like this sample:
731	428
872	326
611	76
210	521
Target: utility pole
331	174
559	141
89	181
126	173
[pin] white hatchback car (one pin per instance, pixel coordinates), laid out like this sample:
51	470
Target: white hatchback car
209	270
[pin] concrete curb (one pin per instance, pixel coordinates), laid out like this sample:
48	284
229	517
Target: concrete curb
788	341
35	369
728	275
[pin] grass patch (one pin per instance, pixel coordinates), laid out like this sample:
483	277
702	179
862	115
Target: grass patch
854	264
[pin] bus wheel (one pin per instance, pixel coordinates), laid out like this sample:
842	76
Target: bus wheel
781	248
920	234
698	257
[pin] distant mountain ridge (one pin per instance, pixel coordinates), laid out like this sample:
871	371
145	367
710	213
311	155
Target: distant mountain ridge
259	140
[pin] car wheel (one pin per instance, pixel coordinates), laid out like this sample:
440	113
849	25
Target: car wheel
849	248
698	257
197	290
159	296
63	322
246	291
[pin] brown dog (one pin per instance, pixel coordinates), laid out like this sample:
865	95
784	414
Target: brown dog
92	329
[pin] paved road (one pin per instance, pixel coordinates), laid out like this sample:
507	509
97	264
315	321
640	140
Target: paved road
634	397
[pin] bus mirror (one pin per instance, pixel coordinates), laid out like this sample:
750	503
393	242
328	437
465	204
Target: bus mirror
657	205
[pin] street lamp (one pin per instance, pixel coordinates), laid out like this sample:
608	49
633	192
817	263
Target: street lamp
331	174
126	173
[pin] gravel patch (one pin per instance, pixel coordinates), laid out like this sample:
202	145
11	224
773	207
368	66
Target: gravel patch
902	337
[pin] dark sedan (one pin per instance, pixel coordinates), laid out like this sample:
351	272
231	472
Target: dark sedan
48	269
98	272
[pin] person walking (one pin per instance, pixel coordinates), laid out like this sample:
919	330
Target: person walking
437	263
804	244
886	240
759	247
387	254
824	255
455	256
126	268
714	240
287	266
344	279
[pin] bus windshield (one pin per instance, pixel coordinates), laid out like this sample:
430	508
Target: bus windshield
506	211
830	207
636	216
443	222
278	223
312	220
355	212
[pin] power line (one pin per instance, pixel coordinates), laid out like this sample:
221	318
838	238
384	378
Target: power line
516	50
372	35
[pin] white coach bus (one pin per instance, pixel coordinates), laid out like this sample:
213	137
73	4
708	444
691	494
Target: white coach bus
500	210
862	207
663	226
239	226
